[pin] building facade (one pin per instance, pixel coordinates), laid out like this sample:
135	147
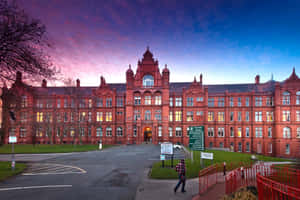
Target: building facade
259	118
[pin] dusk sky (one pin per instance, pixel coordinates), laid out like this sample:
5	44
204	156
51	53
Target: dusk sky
227	41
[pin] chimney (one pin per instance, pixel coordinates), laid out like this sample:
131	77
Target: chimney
201	78
257	79
19	77
44	83
77	82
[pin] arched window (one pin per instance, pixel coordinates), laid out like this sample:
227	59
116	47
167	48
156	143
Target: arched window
286	98
108	131
298	98
148	81
99	132
286	132
119	131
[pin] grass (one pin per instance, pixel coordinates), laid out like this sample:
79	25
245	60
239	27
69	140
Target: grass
192	169
48	148
6	171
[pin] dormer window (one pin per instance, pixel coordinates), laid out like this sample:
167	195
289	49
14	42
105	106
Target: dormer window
148	81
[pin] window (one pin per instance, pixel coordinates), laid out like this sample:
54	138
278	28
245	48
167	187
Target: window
158	115
137	100
147	115
231	116
65	103
108	131
99	117
171	101
286	98
99	132
297	115
148	81
270	148
298	98
239	133
90	103
48	117
269	101
177	116
211	144
258	101
23	117
65	116
231	102
178	132
270	132
239	101
190	101
58	131
269	116
247	132
82	116
58	117
89	116
188	129
189	116
221	116
239	116
247	147
134	131
239	147
12	132
231	132
286	132
24	102
119	131
286	116
39	132
171	116
199	99
159	131
82	103
258	132
211	102
89	132
298	132
247	101
170	131
221	145
22	132
147	100
210	132
199	113
108	117
178	101
72	103
247	116
109	102
210	116
157	100
39	103
136	115
120	102
221	132
221	102
99	102
65	132
39	117
81	131
287	149
258	116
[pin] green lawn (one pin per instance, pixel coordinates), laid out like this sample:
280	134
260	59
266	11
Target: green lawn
192	169
48	148
6	171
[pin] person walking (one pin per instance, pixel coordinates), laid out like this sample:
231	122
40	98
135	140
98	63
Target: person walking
180	169
224	168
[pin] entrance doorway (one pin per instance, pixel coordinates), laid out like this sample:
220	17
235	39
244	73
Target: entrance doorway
147	134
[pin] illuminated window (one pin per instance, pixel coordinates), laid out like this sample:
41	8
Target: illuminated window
286	116
72	132
239	133
82	116
39	132
147	100
99	117
189	116
137	100
178	116
210	116
178	132
286	98
269	116
221	116
171	116
286	132
221	132
108	131
210	132
178	101
39	117
148	81
157	100
119	131
108	117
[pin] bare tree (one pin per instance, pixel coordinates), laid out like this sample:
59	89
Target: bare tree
22	45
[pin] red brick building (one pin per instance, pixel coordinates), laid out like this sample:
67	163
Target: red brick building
256	118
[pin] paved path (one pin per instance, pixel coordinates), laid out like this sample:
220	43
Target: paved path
32	157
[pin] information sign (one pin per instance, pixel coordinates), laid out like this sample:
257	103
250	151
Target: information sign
196	134
12	139
166	148
209	156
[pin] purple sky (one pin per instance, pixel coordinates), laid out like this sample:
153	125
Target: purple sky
227	41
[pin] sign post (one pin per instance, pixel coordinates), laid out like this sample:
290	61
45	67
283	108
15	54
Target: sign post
209	156
166	148
12	140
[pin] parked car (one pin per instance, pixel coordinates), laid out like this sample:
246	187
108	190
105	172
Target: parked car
177	146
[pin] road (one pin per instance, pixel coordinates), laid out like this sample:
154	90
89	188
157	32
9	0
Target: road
112	173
